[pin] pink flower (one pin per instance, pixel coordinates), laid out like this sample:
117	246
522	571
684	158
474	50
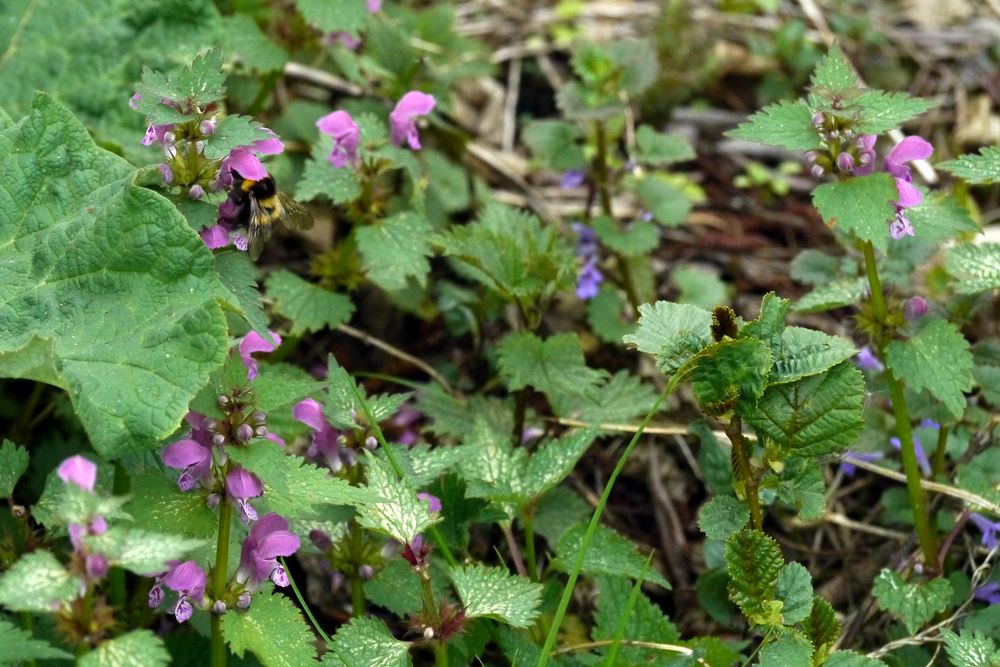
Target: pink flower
193	458
244	160
345	133
324	445
242	485
374	5
254	342
268	539
403	117
158	134
78	470
433	502
188	579
216	236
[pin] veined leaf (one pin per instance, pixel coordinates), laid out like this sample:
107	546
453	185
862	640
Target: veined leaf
912	603
976	268
754	562
366	641
495	593
139	648
273	630
936	359
673	333
864	205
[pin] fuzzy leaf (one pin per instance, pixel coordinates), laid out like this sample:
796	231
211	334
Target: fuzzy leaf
239	276
555	144
806	352
671	332
668	203
970	649
978	169
785	124
495	593
864	205
936	359
273	630
699	287
13	463
344	15
635	240
644	621
834	73
395	250
308	306
141	551
722	517
156	501
555	366
731	373
623	398
791	649
912	603
660	148
18	646
554	460
835	294
242	37
605	315
398	513
794	589
884	111
609	553
232	132
139	648
940	218
36	582
816	416
754	563
105	291
821	627
366	641
319	178
976	268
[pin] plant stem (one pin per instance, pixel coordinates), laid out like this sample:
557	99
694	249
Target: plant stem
942	445
357	597
528	522
116	577
918	502
520	408
219	576
744	471
440	654
303	603
595	520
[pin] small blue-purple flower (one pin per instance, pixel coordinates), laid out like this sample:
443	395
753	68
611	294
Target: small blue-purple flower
867	361
988	593
187	579
988	528
925	465
572	178
589	281
433	502
848	468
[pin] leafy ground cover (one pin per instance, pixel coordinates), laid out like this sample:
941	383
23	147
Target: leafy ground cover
574	333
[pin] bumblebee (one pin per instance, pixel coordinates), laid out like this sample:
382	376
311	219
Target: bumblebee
258	205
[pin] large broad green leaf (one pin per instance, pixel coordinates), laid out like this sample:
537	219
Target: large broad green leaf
970	649
555	144
864	205
308	306
156	501
139	648
754	563
936	359
821	626
346	15
731	373
785	124
396	250
792	649
722	516
239	276
104	289
671	332
795	591
553	460
835	294
913	603
399	513
976	268
142	551
940	218
36	582
884	111
979	168
818	415
366	641
495	593
18	646
834	73
272	629
805	352
609	553
555	366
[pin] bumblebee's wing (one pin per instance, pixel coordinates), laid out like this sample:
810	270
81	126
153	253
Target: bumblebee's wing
295	215
258	229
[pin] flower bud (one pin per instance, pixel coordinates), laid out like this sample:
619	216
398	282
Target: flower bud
366	572
915	308
155	598
244	433
817	170
133	101
258	418
96	566
349	457
243	600
196	192
207	127
167	173
211	425
218	607
222	400
320	539
428	633
818	119
811	156
371	443
845	162
212	500
260	431
218	440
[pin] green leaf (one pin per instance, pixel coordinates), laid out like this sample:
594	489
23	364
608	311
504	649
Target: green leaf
232	132
395	587
554	460
244	38
342	408
398	513
668	203
105	290
36	582
13	463
936	359
851	659
754	562
319	177
156	501
673	333
308	306
834	73
821	626
806	352
605	316
623	398
731	373
970	649
699	287
637	239
884	111
815	416
495	593
494	469
976	268
661	148
555	144
864	205
344	15
238	275
366	641
272	629
785	124
940	218
913	603
18	646
835	294
609	553
139	648
978	169
395	250
722	516
813	267
802	486
791	649
292	487
644	621
142	551
794	589
554	366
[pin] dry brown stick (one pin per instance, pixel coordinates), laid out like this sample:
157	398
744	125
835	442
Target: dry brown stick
399	354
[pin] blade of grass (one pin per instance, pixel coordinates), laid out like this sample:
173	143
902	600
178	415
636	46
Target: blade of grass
633	597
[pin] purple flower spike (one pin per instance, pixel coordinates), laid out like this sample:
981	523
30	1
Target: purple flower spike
268	539
188	579
572	178
78	470
925	465
988	528
866	155
193	458
403	117
433	502
988	593
374	5
254	342
244	160
589	280
241	485
345	133
848	468
915	308
324	445
907	150
867	361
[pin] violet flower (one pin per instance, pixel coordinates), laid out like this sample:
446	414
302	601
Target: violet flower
345	39
268	539
241	486
254	342
922	461
244	161
158	134
865	164
433	502
988	528
345	133
586	242
988	592
194	458
374	5
325	444
216	236
589	281
403	118
909	149
78	470
187	579
867	361
405	419
915	308
572	178
848	469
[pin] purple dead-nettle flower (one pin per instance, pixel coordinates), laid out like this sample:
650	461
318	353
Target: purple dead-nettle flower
415	553
865	164
345	134
867	361
159	134
216	236
254	342
245	162
589	281
325	445
193	458
320	539
374	5
848	468
925	465
406	419
433	502
988	528
988	593
403	118
268	539
167	173
915	308
242	485
196	192
572	178
134	101
909	149
78	470
531	433
187	579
